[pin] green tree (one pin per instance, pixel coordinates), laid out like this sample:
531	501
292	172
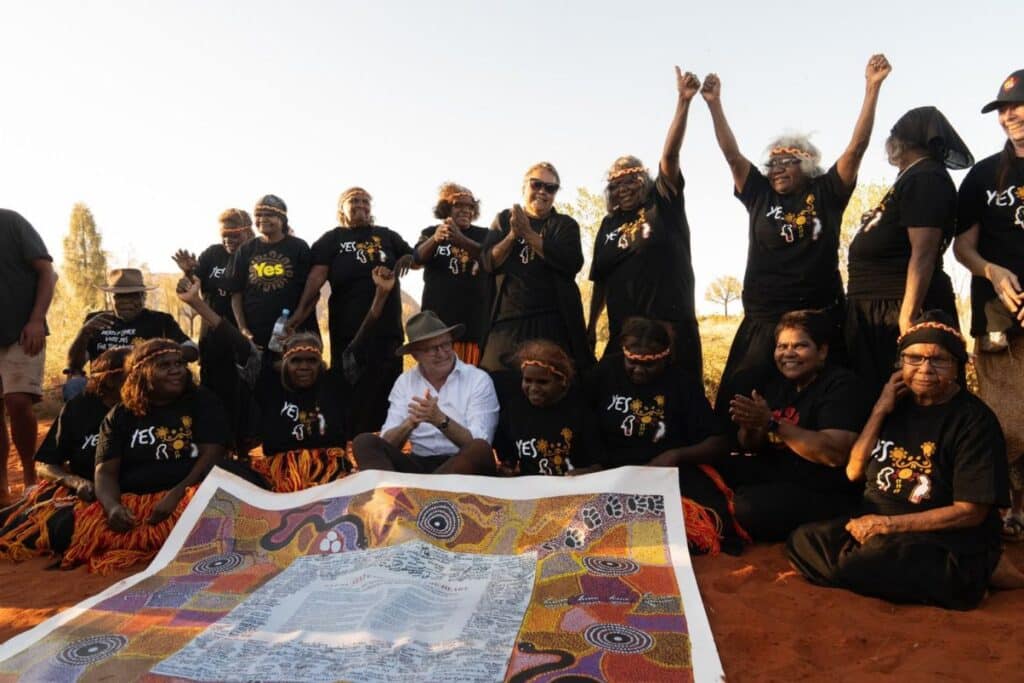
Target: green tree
85	262
865	198
724	290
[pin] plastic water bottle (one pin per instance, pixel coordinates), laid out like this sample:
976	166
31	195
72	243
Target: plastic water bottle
276	343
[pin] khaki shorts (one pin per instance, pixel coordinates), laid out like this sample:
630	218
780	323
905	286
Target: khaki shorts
21	373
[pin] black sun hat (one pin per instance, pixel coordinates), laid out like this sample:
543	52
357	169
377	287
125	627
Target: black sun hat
1012	90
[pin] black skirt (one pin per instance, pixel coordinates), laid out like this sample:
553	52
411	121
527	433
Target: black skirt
907	568
506	335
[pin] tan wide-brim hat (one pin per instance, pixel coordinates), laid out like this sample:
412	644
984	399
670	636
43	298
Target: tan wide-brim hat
426	325
125	281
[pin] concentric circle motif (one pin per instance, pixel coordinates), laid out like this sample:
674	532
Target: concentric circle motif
610	566
440	519
217	564
618	638
92	649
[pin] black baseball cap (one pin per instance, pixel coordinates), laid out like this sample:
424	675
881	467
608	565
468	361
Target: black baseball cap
1012	90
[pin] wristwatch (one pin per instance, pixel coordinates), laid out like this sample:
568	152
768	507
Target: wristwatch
444	423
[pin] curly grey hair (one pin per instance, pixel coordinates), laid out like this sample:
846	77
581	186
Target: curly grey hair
811	167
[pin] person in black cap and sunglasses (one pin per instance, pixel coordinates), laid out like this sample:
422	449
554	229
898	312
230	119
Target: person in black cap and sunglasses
990	244
895	258
534	253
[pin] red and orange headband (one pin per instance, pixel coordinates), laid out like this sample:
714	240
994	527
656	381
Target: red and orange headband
301	348
646	357
547	366
626	171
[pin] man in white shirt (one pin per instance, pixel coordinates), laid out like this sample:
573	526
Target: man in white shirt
446	409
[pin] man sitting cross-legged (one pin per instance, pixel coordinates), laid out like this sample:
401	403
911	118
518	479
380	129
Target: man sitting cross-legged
446	409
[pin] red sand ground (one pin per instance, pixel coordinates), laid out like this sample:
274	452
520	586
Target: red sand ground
769	624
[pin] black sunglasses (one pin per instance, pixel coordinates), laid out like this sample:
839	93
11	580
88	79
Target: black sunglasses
537	185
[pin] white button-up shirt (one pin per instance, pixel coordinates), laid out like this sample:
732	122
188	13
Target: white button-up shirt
467	397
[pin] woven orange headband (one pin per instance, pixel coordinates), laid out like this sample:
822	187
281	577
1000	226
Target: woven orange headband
273	209
547	366
646	357
792	151
626	171
302	348
934	326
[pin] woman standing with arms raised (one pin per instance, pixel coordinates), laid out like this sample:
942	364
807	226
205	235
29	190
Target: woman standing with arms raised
796	211
534	253
642	263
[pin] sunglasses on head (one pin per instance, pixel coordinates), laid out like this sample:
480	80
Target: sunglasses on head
537	185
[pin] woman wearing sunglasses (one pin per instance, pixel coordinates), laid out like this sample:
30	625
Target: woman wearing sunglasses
796	210
642	262
534	254
932	459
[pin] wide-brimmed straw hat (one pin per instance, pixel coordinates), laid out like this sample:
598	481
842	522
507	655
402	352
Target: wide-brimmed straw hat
125	281
426	325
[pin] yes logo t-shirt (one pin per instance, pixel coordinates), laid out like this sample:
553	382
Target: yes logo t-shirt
159	449
73	437
454	284
213	273
271	278
292	420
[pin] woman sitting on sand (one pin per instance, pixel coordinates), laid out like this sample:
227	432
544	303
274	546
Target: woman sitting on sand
545	425
932	459
650	412
154	448
799	427
66	464
302	405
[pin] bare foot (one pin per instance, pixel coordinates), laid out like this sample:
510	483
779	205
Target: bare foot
1006	576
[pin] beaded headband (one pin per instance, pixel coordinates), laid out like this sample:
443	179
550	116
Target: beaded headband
547	366
646	357
932	325
104	373
138	363
273	209
235	231
626	171
792	151
308	348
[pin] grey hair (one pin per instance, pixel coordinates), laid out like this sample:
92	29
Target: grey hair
810	167
896	148
623	162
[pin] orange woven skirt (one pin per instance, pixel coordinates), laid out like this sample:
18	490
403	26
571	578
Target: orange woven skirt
24	533
468	352
104	550
298	470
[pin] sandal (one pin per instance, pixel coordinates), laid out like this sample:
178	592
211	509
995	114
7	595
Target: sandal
1013	529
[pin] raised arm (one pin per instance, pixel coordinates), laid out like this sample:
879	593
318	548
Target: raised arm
893	391
849	163
687	85
738	164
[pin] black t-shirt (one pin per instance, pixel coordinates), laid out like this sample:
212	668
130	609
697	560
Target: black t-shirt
643	258
553	440
213	271
21	246
73	436
148	324
924	196
1000	215
351	254
639	421
834	400
271	278
293	420
455	285
528	284
928	457
158	450
793	243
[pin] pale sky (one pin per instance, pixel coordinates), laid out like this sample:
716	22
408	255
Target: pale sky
159	115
